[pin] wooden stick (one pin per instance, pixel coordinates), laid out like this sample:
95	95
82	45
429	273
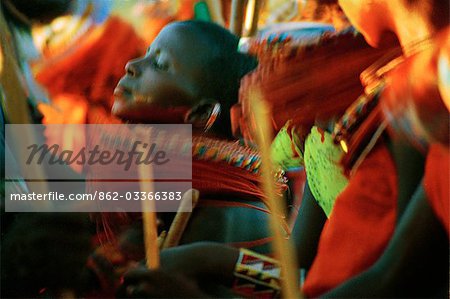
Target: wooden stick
181	220
252	17
149	217
237	16
283	249
215	9
161	238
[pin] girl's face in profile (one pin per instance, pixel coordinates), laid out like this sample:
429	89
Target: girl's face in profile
169	75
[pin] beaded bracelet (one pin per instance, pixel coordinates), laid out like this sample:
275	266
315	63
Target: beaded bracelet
256	276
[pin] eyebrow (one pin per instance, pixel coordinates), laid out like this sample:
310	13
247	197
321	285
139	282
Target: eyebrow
157	51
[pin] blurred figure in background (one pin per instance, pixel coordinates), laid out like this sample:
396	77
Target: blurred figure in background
37	254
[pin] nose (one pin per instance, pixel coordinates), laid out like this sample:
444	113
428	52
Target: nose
132	68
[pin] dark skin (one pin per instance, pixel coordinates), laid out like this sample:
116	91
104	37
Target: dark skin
306	234
415	230
307	229
169	75
189	69
409	163
199	267
140	283
419	246
208	263
415	263
202	263
177	75
419	237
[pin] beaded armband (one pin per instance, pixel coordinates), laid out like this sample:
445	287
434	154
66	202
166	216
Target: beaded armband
256	276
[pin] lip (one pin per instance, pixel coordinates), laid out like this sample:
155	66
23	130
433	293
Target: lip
121	95
121	91
118	91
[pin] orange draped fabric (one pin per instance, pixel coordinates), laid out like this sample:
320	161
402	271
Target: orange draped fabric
360	226
95	67
436	182
412	101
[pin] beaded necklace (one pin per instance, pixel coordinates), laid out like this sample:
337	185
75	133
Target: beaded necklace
364	115
232	153
204	148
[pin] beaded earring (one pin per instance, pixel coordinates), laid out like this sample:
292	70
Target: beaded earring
215	112
205	123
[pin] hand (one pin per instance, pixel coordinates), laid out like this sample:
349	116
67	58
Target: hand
145	283
194	263
201	260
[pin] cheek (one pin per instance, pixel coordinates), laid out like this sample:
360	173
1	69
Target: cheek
170	94
357	11
361	16
349	7
164	89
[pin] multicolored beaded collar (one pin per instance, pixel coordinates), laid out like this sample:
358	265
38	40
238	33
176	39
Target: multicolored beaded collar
231	152
364	110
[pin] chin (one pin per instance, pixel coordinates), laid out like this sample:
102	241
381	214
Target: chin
373	43
122	112
118	109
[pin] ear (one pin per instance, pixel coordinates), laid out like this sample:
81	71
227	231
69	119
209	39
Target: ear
203	114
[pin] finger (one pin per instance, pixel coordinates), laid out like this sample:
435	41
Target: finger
137	274
141	290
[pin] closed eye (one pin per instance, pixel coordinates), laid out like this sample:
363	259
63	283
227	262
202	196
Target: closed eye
158	65
156	61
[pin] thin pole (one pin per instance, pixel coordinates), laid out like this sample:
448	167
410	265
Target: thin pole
149	217
283	248
237	16
181	220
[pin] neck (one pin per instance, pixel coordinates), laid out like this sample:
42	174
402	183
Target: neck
412	27
410	35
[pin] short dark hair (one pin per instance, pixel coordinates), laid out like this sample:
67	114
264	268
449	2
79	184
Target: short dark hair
224	68
225	65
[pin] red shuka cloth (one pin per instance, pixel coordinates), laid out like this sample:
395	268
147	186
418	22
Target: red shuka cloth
304	83
436	182
93	70
360	226
212	179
